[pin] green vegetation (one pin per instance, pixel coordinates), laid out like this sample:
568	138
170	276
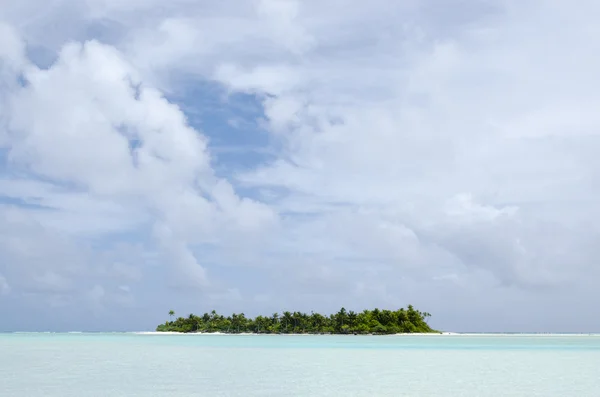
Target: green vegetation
343	322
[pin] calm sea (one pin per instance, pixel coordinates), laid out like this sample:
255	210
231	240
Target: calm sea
65	365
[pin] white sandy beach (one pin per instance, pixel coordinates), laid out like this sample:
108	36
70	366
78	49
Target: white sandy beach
469	334
254	334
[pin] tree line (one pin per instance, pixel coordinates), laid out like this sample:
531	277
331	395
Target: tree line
374	321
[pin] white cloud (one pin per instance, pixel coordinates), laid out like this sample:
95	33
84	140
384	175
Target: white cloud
12	48
459	114
416	155
4	287
115	156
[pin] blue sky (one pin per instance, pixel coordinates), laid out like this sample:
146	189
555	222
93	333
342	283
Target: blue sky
276	155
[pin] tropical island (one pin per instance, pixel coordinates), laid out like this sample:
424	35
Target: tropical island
376	321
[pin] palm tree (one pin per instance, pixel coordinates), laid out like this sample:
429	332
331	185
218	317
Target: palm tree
287	318
171	314
351	318
425	316
275	322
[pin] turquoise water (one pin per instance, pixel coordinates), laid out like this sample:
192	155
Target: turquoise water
225	365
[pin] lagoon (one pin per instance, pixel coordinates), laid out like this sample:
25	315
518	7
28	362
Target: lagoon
129	364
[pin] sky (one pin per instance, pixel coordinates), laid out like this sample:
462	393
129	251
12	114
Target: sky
267	155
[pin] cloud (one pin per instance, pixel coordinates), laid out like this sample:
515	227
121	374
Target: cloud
4	287
95	150
418	152
457	117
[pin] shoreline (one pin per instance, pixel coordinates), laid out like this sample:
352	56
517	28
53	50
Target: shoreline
290	334
465	334
456	334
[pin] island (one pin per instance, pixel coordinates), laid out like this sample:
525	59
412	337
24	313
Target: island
376	321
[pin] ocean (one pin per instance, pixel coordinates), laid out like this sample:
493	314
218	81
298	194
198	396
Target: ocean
127	364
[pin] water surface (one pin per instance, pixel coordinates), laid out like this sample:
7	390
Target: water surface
274	365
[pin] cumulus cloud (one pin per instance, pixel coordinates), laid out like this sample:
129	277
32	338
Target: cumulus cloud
412	145
440	154
95	150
